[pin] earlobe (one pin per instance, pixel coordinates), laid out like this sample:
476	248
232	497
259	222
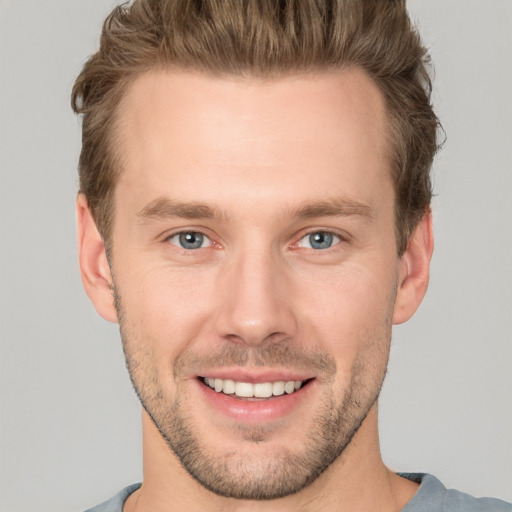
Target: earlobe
94	267
414	271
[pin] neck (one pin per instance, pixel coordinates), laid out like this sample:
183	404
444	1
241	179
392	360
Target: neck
358	480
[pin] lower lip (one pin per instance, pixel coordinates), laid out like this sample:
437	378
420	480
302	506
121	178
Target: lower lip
257	411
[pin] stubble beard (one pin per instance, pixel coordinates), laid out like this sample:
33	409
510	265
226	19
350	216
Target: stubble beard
238	474
253	477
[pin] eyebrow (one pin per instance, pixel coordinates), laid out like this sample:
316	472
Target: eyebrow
165	208
336	207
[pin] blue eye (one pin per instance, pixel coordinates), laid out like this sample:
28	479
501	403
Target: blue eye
190	240
319	240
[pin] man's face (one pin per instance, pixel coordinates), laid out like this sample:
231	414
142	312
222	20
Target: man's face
254	250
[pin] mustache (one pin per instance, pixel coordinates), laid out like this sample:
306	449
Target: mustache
277	354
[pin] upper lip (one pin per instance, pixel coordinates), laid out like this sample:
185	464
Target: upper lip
257	375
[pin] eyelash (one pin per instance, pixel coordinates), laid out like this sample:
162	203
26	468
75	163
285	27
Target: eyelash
336	238
189	232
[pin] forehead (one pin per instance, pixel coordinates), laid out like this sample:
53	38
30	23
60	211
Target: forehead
178	129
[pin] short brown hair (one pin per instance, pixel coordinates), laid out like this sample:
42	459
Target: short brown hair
266	38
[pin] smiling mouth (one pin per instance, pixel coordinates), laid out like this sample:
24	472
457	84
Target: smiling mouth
260	390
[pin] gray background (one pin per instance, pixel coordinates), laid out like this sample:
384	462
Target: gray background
69	425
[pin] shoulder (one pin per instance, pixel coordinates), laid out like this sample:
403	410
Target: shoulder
115	504
433	496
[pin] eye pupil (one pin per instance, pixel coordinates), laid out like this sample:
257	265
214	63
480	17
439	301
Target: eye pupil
321	240
191	240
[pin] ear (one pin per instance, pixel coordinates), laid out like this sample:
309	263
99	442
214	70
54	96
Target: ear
94	267
414	270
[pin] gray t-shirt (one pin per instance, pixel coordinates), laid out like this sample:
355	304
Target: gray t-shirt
432	496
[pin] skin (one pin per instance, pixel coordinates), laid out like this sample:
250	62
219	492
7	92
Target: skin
256	297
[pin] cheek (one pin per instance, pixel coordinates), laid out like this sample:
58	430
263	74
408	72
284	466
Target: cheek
166	309
350	313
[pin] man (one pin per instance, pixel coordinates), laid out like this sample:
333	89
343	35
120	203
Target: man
254	212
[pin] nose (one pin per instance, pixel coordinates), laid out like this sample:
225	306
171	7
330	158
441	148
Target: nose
256	305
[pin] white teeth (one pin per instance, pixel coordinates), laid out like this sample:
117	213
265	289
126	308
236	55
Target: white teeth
229	387
263	389
278	388
289	387
244	389
258	390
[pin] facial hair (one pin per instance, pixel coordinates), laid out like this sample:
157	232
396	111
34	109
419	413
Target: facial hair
247	474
